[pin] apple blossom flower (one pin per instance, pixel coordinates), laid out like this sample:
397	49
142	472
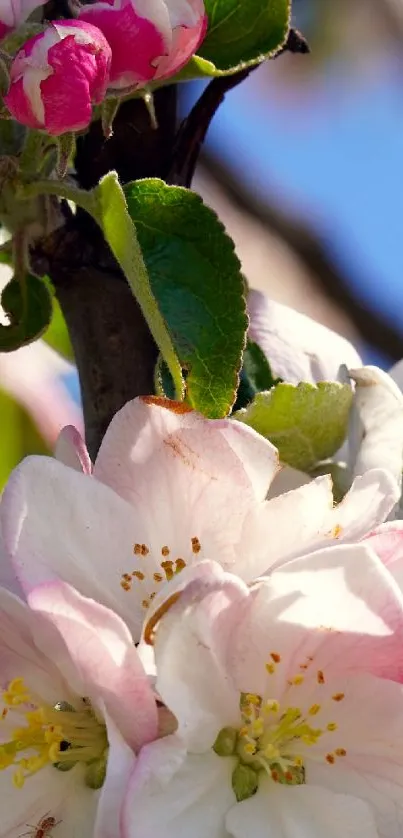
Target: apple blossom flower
170	488
149	40
289	706
15	12
76	706
68	56
297	347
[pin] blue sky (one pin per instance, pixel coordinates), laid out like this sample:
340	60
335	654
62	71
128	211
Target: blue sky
339	160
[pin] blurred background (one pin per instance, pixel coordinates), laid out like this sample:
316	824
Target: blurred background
304	164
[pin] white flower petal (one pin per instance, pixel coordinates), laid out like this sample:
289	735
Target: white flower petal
376	434
300	812
188	799
297	347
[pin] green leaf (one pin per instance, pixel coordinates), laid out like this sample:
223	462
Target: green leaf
256	375
110	210
244	32
307	423
196	278
29	311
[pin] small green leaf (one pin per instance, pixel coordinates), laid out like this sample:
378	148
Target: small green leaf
307	423
196	278
244	33
29	313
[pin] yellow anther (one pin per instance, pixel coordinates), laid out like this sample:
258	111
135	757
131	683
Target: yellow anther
257	727
271	706
180	564
270	668
250	748
271	752
314	710
18	779
331	726
296	680
252	698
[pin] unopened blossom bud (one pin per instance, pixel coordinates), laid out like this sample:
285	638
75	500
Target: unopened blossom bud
150	39
58	75
15	12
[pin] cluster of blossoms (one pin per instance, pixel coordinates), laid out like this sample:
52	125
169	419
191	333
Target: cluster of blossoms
113	47
182	656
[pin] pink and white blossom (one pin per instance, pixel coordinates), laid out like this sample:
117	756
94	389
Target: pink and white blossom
15	12
289	706
150	40
170	488
58	75
76	707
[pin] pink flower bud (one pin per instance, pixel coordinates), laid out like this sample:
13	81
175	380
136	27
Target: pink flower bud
150	39
58	75
15	12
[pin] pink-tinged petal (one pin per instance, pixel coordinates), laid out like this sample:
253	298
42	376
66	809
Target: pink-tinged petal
8	578
339	607
136	42
94	646
173	796
121	762
273	541
152	440
317	523
300	812
33	376
376	436
186	662
19	656
297	348
387	543
60	524
367	504
72	451
185	43
370	724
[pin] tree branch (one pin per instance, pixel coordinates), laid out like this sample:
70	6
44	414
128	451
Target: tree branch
313	254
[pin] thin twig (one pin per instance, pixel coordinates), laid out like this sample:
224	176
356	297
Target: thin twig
192	132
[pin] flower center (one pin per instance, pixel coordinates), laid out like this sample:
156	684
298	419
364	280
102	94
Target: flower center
274	737
61	736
